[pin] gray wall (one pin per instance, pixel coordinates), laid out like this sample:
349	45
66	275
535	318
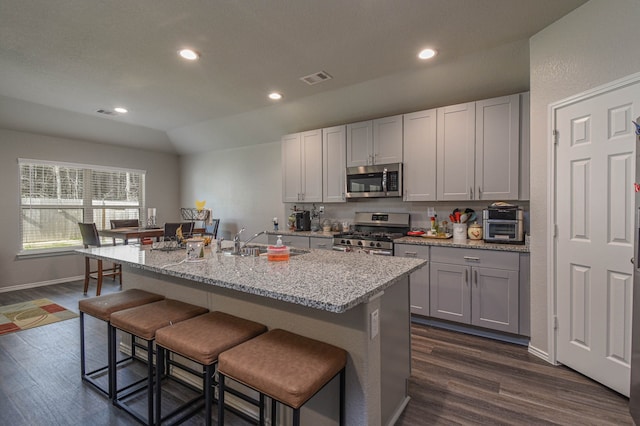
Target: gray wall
595	44
242	186
163	176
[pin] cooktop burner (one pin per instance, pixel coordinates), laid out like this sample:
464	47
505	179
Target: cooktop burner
374	231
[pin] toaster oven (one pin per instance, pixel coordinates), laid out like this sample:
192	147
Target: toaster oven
503	225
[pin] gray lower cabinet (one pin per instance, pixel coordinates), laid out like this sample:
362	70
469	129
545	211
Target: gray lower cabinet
320	243
477	287
418	280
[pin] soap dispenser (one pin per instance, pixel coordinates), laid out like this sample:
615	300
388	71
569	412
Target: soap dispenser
279	252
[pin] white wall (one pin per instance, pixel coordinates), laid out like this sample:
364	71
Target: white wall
242	186
162	180
595	44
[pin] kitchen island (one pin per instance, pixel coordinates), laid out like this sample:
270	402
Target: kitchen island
355	301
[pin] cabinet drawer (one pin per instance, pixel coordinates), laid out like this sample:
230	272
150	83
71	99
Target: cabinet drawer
320	243
411	250
475	257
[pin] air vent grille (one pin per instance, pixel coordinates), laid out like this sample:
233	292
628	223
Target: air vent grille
106	112
316	77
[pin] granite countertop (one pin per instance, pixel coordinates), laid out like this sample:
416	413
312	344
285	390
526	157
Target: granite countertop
321	279
474	244
318	234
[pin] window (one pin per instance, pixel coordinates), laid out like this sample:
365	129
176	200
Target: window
54	197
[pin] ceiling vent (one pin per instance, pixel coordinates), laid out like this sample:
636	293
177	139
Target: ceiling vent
316	77
106	112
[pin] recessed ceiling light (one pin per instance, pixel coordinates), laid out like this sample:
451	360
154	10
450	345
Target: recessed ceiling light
121	110
189	54
427	54
275	96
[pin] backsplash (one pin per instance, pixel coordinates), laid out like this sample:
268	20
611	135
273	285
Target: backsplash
344	212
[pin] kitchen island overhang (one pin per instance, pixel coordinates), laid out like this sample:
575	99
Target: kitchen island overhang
329	296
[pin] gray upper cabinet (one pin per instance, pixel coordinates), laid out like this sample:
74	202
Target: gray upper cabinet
497	148
479	150
374	141
420	156
456	151
302	167
334	164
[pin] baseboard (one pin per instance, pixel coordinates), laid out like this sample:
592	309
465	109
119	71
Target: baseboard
461	328
41	284
399	411
540	354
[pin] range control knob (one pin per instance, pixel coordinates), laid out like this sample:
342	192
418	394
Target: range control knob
378	245
359	243
372	244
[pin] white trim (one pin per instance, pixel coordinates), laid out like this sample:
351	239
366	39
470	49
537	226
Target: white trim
551	211
41	284
79	165
540	354
398	412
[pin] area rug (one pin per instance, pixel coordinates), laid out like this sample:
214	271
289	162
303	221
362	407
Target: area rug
33	313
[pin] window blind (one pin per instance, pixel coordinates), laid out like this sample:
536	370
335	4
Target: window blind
55	197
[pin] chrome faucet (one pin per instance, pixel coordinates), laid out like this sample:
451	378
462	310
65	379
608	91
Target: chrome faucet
237	244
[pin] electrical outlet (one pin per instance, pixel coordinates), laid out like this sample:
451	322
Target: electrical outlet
375	324
321	209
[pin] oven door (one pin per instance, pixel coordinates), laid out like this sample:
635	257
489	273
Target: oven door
384	180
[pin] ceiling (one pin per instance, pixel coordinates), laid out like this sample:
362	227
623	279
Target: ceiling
61	61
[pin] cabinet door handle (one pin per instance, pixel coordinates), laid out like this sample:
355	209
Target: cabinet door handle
466	276
410	253
475	277
471	259
471	193
479	193
321	245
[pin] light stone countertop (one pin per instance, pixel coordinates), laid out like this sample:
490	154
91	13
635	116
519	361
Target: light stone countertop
321	279
474	244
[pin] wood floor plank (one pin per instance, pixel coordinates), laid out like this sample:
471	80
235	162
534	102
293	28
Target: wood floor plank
457	379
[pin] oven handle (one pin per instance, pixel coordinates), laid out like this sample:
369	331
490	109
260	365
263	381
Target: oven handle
381	252
340	248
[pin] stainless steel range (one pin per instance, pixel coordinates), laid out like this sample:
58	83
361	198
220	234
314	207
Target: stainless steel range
373	233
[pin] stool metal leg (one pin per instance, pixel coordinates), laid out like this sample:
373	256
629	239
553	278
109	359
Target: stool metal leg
296	417
273	410
150	382
160	353
342	396
208	392
111	348
220	399
82	356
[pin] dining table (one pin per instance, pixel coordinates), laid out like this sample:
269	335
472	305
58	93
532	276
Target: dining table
127	233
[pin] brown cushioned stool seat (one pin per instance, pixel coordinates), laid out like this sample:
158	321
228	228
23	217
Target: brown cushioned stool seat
102	307
143	322
200	339
287	367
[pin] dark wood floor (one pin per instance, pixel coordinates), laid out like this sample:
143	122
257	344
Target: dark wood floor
456	379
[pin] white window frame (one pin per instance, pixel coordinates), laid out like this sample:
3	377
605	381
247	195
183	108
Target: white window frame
87	202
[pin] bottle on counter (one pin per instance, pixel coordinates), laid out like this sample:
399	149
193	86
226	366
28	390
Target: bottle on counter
279	252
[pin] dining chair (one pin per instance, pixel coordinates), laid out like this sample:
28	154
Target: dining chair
212	230
90	238
124	223
170	229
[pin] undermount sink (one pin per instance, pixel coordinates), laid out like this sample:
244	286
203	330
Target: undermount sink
254	250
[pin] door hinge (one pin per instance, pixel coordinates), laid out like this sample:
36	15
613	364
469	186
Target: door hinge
555	323
555	137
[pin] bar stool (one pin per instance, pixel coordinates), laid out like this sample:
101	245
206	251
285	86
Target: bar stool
200	339
143	322
288	368
101	307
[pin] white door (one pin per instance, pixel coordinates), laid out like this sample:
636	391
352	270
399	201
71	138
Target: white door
594	200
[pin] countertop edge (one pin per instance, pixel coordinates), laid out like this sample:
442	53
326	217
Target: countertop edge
470	244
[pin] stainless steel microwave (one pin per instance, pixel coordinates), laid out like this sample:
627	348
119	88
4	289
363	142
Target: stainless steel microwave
380	180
